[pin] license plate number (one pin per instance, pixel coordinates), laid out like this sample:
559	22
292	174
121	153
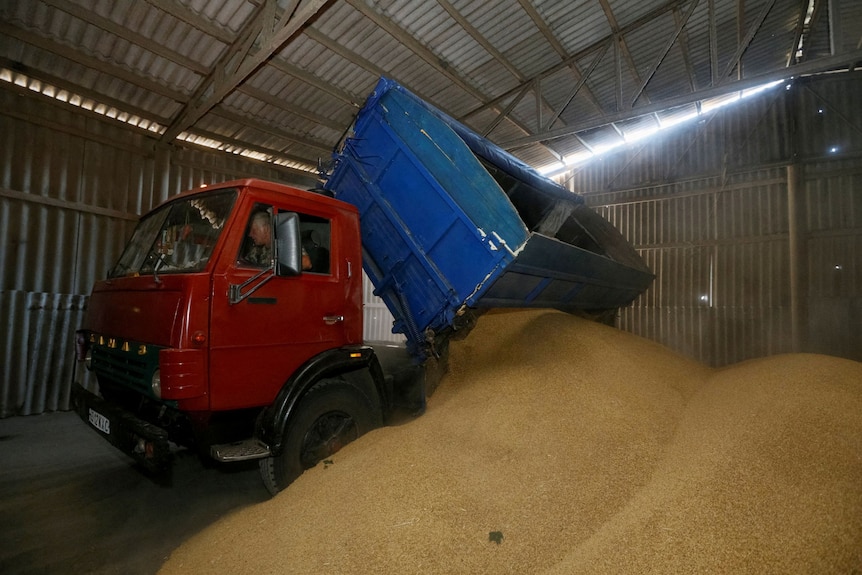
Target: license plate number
100	422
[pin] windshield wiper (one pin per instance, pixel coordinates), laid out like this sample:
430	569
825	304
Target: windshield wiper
159	261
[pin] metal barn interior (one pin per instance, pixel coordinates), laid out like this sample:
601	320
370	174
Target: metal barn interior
747	206
723	138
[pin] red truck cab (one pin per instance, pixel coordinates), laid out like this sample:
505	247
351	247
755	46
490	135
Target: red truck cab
232	323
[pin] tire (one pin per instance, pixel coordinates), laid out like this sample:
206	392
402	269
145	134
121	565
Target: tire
330	415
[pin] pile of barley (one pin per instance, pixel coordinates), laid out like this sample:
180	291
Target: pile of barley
559	446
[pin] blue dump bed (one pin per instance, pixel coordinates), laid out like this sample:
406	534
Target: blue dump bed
452	222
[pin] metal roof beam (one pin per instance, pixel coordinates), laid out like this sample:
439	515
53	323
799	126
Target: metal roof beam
685	51
836	32
811	67
415	46
735	62
505	113
498	56
427	55
578	86
280	104
184	14
78	57
480	39
671	41
227	141
713	45
133	38
622	52
272	32
345	53
549	72
312	80
271	129
571	61
560	50
64	85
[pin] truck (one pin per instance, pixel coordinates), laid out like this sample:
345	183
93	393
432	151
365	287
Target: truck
232	323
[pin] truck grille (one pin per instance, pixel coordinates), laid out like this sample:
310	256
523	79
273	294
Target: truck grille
129	365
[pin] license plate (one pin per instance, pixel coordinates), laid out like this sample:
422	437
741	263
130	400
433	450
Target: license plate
100	422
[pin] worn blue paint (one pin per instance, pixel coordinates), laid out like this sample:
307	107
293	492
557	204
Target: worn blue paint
450	220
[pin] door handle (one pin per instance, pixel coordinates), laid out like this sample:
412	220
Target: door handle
332	319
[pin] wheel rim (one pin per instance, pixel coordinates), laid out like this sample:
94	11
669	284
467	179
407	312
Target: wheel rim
329	433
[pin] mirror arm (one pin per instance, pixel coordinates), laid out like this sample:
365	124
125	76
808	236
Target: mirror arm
159	261
235	293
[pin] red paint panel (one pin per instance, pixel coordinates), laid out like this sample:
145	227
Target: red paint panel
136	309
183	373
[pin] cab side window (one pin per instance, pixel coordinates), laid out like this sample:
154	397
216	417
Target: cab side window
316	242
315	234
256	249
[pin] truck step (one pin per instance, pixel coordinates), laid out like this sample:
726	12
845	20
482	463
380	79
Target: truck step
240	451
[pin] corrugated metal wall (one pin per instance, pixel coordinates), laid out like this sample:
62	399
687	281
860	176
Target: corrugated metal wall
72	185
712	211
833	194
708	207
376	316
38	349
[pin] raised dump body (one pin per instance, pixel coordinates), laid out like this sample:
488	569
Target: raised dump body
451	221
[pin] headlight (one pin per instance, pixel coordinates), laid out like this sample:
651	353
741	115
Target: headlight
82	345
157	384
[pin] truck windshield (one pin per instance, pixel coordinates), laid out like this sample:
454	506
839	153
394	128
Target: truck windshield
178	237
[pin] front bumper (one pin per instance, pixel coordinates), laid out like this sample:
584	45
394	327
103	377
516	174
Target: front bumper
144	442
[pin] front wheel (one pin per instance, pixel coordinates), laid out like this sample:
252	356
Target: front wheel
331	415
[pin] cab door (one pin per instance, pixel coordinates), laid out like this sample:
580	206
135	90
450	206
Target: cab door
256	344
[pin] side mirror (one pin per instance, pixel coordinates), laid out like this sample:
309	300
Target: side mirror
288	248
287	255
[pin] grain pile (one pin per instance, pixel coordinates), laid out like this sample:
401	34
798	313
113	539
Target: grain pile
560	446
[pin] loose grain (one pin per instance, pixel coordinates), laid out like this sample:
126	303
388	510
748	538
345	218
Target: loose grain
557	446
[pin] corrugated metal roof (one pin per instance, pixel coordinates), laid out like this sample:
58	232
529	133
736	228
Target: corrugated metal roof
548	78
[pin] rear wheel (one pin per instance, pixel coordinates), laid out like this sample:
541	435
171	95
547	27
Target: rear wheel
331	415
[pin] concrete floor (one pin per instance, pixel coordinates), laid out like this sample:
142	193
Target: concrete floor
70	503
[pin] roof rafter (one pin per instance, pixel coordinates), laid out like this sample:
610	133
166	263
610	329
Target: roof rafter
735	61
623	52
811	67
228	144
499	57
239	62
184	14
559	49
427	55
279	104
270	129
680	24
480	38
71	88
570	61
91	62
122	32
685	52
288	75
581	82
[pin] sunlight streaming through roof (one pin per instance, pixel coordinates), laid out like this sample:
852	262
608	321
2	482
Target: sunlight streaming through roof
662	125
